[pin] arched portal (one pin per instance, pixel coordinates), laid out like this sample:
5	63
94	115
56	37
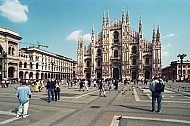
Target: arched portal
37	75
42	76
21	75
116	73
46	76
147	75
11	72
88	75
99	75
31	75
134	75
26	76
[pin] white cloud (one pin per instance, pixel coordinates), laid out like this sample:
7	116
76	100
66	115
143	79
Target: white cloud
14	11
87	37
169	35
166	46
75	34
165	53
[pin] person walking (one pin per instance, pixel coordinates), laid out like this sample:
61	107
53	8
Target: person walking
156	95
50	89
116	84
94	82
3	83
86	84
57	90
110	84
38	86
101	88
81	83
23	93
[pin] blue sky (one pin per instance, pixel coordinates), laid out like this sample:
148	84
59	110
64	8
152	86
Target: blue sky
58	23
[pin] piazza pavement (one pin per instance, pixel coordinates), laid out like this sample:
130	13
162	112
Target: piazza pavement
129	106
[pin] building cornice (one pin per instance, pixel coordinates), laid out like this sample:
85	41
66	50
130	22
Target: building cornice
7	32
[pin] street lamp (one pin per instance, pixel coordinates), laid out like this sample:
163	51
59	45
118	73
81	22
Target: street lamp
4	56
181	56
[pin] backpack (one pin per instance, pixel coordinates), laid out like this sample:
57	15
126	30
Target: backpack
160	87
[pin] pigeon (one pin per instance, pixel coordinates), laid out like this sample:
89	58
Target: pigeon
119	118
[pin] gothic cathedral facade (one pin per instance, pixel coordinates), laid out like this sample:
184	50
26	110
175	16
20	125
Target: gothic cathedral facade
119	52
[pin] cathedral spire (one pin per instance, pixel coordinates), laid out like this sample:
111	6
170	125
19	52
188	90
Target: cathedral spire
140	28
158	30
153	35
127	18
93	34
108	18
140	25
104	20
158	34
123	16
93	28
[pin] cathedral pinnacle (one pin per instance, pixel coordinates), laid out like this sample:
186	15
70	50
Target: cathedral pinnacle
93	28
123	16
127	18
104	20
108	17
140	25
158	34
153	34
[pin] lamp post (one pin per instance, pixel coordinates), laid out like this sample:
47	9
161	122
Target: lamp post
4	56
181	56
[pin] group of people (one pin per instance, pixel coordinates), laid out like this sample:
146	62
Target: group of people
83	84
53	89
7	82
24	94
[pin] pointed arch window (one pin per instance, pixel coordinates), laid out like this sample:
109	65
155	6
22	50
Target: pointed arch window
30	65
1	50
88	64
147	61
116	36
36	65
99	52
115	53
25	65
13	51
20	64
134	61
9	52
81	45
99	63
134	49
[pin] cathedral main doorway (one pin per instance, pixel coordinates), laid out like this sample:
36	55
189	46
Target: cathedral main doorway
88	76
99	75
116	73
147	75
134	75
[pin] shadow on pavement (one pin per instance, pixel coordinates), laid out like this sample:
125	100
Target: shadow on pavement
138	108
14	110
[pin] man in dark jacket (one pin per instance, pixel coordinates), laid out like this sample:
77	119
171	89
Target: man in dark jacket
156	95
50	89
